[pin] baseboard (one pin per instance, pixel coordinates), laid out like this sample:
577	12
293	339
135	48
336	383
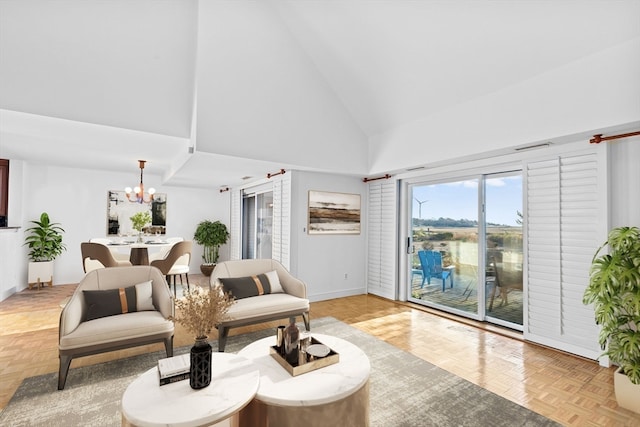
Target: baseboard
338	294
7	293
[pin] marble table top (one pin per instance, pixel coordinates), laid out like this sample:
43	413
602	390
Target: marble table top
234	382
318	387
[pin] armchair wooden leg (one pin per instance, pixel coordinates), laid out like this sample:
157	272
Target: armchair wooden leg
307	323
223	333
65	362
168	346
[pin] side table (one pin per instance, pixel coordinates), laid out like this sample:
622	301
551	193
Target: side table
337	394
234	382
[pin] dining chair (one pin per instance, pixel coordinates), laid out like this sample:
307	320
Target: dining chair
97	255
504	282
165	250
431	263
176	263
117	255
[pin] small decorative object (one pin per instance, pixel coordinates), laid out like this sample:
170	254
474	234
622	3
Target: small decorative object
140	220
307	362
318	350
210	235
291	342
280	339
199	312
614	291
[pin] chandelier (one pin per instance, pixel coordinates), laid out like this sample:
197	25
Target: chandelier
137	195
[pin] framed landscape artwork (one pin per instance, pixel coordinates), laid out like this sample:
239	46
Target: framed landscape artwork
333	213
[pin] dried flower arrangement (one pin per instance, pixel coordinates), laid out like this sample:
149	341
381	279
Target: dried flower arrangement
201	310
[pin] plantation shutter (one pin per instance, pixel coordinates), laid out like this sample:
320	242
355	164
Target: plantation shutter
235	225
281	237
565	224
381	235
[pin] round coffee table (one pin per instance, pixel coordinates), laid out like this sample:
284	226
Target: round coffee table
234	382
337	394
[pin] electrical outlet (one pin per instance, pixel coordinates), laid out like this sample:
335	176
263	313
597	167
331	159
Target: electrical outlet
346	276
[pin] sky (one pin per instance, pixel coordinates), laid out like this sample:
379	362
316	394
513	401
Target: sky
459	200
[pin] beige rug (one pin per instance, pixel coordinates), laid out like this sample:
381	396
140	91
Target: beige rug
404	390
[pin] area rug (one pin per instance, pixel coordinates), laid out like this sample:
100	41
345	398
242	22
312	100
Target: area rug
404	390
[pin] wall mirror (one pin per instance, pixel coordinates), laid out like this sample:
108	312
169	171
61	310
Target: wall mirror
120	209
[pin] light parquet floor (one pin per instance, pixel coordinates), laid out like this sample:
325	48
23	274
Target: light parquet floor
565	388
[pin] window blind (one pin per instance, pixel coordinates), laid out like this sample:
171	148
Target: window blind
235	225
564	226
281	237
381	239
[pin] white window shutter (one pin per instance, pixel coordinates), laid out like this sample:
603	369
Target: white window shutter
281	237
381	235
235	225
564	226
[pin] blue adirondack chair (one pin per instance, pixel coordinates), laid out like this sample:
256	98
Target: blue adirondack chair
431	263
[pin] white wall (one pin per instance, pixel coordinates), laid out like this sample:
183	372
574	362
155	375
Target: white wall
624	182
236	109
77	199
593	93
322	261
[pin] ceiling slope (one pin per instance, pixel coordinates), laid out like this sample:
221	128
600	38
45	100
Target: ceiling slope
259	95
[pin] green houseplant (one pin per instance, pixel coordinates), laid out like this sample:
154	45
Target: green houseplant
44	240
614	290
210	234
139	220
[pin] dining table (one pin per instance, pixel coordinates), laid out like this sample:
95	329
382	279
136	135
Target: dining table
139	251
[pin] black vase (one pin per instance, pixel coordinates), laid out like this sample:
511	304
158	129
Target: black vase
200	368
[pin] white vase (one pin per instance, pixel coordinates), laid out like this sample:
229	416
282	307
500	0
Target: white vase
627	393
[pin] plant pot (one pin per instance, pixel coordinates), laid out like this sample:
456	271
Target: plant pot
627	393
40	272
207	269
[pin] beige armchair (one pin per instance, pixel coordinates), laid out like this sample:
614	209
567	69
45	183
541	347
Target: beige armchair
286	299
89	325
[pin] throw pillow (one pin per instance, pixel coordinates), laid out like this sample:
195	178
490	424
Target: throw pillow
250	286
144	299
110	302
274	281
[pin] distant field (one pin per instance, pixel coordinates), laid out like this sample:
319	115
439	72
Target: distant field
470	230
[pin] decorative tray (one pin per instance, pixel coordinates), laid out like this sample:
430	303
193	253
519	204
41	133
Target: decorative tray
306	365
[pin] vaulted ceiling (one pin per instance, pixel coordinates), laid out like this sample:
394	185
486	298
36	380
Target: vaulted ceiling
211	91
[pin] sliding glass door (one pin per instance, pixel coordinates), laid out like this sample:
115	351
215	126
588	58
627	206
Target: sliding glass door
503	246
444	269
465	247
257	225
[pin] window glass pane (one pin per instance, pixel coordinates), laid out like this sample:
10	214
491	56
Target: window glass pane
445	245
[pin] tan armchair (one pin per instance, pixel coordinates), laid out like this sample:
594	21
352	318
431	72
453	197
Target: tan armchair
287	303
144	323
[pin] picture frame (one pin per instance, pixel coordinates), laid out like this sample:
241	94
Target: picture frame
120	209
333	213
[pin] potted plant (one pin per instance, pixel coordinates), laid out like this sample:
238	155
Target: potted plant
140	220
614	290
44	240
210	235
199	311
